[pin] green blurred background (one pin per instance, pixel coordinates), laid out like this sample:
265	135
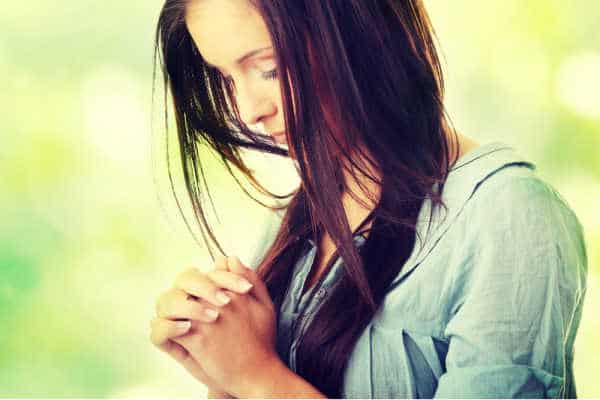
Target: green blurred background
90	234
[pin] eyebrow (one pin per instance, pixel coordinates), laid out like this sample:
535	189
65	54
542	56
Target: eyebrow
244	57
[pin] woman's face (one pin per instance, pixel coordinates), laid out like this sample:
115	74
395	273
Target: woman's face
232	37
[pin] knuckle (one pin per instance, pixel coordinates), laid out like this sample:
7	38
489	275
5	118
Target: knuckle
219	278
154	337
220	261
185	275
213	274
181	276
159	305
198	280
196	287
163	302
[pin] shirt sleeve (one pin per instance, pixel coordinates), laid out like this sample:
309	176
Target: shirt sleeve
518	296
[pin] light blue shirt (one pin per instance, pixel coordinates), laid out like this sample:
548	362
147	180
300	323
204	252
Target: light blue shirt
489	307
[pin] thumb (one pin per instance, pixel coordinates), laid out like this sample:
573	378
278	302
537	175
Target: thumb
259	288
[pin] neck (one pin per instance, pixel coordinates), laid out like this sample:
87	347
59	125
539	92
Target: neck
362	193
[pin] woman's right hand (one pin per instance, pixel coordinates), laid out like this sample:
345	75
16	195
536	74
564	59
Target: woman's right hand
176	309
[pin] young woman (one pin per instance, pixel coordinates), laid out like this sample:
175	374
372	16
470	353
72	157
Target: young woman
410	262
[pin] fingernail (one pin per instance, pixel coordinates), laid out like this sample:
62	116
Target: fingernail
244	285
183	325
222	298
210	313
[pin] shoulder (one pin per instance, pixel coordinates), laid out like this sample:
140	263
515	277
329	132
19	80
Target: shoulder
497	191
521	233
512	229
518	203
516	298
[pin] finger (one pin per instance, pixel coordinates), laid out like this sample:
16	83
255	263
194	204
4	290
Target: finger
175	304
195	282
260	291
221	263
235	265
163	329
163	343
177	351
230	281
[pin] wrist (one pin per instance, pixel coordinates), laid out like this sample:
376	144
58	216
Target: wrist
276	380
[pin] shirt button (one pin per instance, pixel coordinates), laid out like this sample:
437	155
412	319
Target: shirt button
321	292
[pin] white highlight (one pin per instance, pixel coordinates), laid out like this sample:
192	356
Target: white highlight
578	83
114	119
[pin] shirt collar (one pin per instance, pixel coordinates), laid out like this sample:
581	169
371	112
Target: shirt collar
469	171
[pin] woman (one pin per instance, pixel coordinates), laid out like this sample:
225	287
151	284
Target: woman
463	273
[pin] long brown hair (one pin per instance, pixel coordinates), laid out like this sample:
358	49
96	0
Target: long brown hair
360	80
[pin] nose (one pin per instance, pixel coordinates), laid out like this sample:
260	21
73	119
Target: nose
254	106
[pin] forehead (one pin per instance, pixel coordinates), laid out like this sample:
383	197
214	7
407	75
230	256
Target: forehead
223	30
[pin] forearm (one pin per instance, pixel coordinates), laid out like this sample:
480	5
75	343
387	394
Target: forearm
278	381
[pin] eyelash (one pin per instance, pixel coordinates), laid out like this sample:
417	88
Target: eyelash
269	75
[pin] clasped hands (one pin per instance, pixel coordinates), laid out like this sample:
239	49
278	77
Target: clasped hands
220	325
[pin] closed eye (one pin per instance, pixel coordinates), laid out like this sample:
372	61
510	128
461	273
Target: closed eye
268	75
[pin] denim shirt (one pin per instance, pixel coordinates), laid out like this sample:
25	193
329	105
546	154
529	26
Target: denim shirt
487	306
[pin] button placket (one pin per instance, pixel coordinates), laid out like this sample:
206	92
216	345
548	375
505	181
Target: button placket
321	293
329	281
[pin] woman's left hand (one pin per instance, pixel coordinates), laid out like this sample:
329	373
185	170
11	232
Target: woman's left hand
241	342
